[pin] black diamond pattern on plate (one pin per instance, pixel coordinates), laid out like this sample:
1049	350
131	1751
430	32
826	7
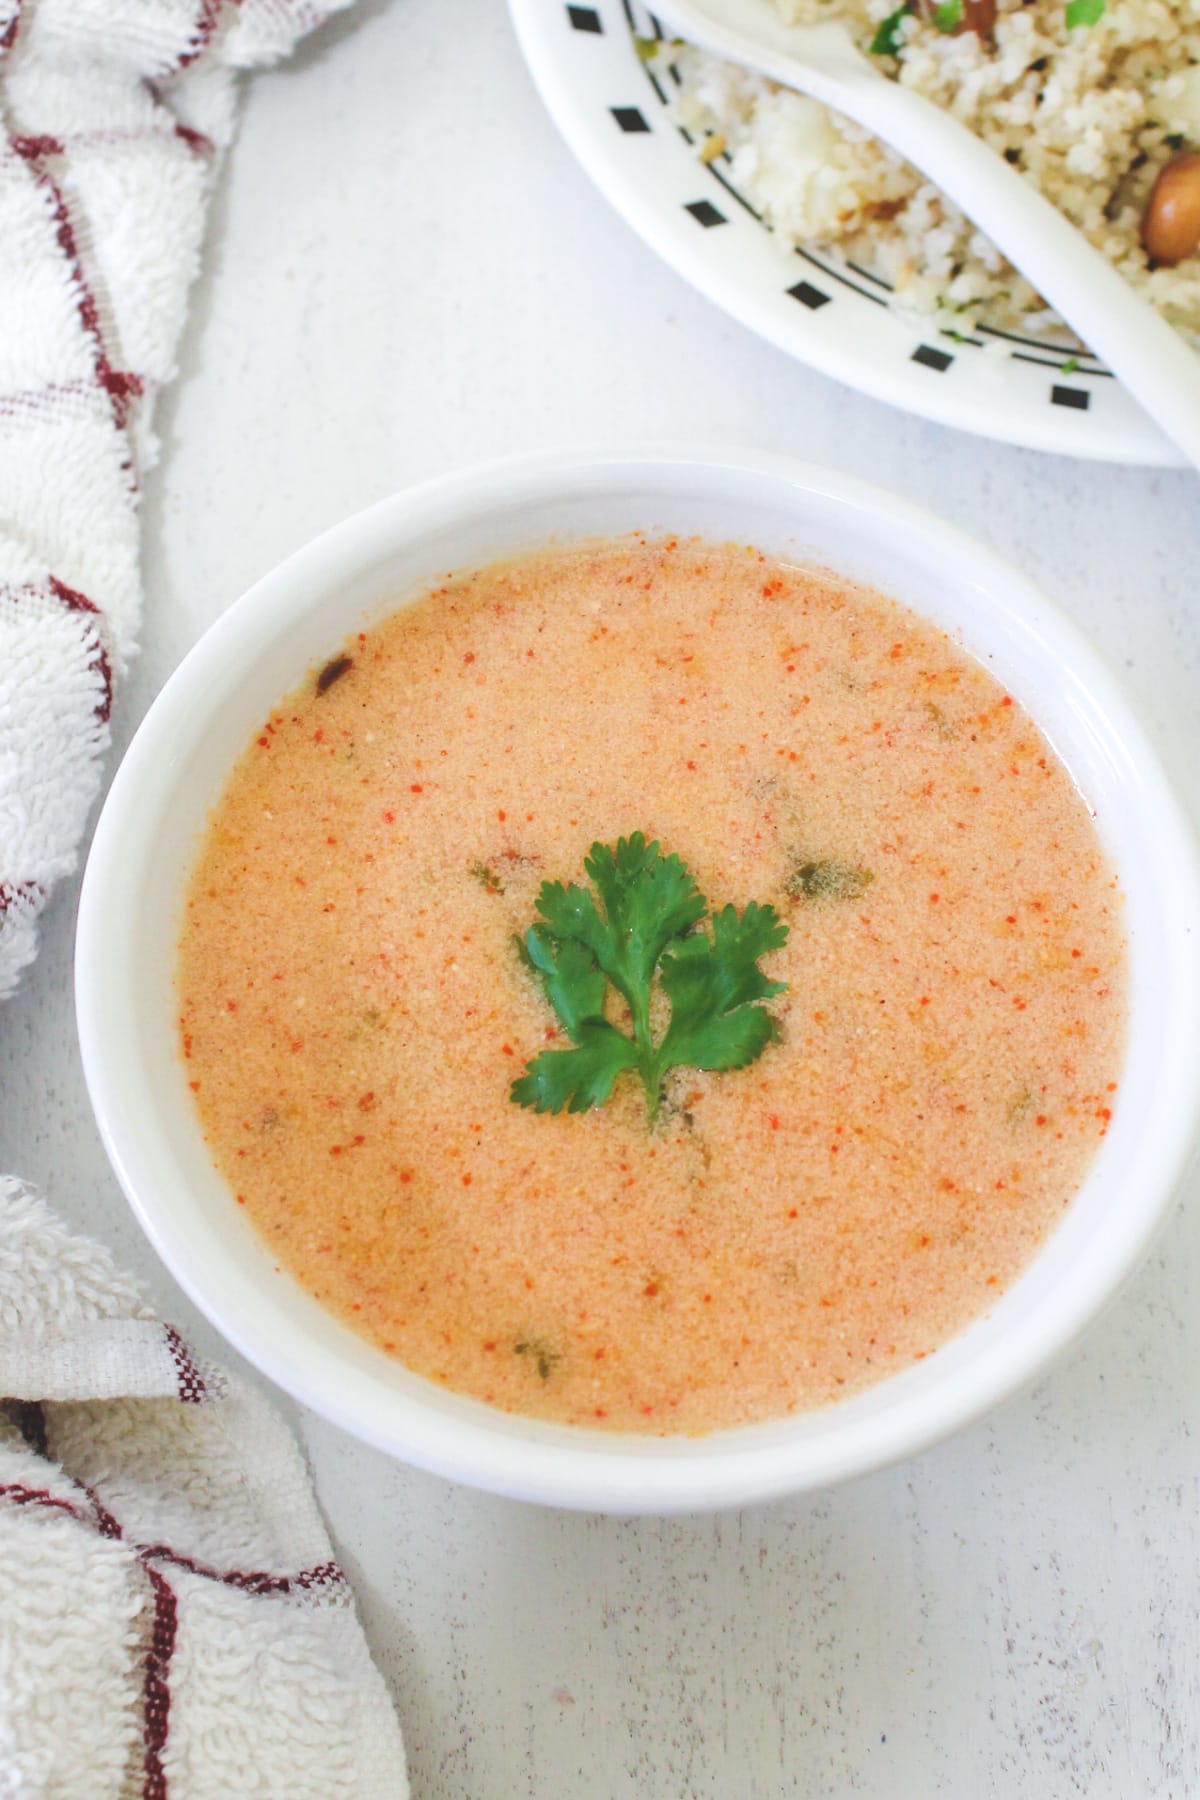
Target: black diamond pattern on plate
585	18
809	296
1079	398
705	213
931	358
630	119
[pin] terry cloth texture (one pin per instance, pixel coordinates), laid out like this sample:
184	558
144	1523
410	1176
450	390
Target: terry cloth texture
113	117
173	1624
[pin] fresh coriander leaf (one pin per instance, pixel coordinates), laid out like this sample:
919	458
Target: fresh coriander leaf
578	1078
948	17
711	984
889	38
1175	140
570	912
651	908
567	970
1070	366
1085	12
649	899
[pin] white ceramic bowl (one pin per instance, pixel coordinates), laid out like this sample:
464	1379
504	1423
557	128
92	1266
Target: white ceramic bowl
264	644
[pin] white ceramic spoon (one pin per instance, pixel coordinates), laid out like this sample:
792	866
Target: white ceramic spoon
1138	345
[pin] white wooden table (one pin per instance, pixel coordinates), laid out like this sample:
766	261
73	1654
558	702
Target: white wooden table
407	272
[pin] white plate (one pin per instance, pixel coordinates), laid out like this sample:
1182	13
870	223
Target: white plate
612	110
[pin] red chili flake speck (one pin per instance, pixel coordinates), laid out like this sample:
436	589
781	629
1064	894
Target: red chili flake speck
507	1050
416	788
469	657
264	742
466	1181
502	816
406	1175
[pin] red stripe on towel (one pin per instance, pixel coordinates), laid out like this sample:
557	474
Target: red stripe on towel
121	385
203	31
9	35
156	1693
100	665
192	1386
106	1524
20	1495
195	140
250	1581
12	893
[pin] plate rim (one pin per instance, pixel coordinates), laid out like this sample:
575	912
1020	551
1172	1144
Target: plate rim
535	23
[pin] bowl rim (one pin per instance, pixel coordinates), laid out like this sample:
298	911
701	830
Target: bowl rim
569	1466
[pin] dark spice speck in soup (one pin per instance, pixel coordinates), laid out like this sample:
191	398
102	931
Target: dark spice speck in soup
939	1028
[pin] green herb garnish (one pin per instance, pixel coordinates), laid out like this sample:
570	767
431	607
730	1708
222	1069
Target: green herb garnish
1070	366
948	17
827	879
647	929
647	48
544	1356
487	877
1175	140
1085	12
888	40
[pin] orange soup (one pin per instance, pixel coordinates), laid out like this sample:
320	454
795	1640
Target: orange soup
354	1008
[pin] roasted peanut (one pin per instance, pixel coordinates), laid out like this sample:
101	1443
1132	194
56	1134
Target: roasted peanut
1171	221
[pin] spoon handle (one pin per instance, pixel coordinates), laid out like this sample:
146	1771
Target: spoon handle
1148	355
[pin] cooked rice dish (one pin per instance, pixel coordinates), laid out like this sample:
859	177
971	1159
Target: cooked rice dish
1090	112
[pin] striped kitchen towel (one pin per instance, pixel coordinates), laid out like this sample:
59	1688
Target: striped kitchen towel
113	117
172	1619
173	1623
